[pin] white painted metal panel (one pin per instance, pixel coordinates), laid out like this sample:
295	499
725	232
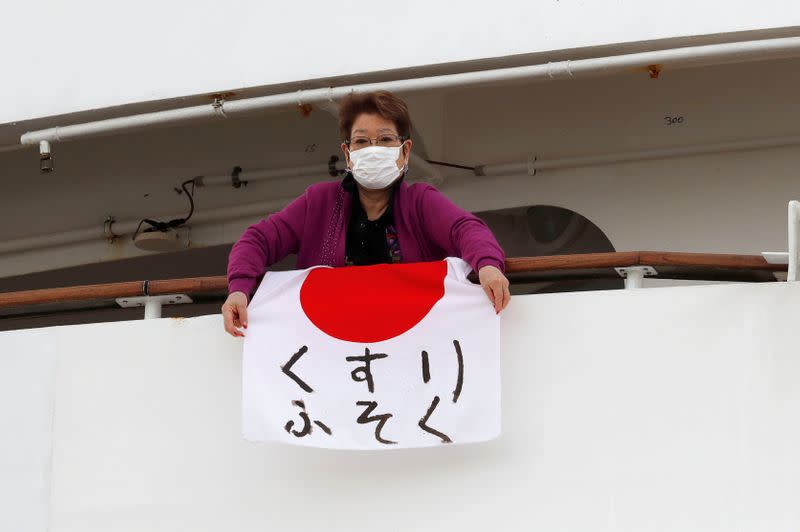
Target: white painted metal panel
672	409
27	384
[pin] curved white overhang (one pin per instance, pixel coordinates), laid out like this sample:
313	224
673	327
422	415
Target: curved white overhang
81	59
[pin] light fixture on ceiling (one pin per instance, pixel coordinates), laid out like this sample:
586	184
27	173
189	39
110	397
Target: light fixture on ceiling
167	240
164	236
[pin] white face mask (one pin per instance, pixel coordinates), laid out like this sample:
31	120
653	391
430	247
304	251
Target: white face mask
375	167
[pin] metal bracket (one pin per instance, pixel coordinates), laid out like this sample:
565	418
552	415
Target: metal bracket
647	271
108	232
633	275
236	181
332	170
218	105
152	304
532	165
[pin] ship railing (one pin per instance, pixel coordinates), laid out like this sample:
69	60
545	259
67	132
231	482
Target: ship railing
632	266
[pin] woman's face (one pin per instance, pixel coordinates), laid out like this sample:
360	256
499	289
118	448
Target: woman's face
374	126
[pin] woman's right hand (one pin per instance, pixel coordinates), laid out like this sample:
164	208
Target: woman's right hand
234	313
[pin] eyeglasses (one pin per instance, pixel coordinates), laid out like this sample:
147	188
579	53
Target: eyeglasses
385	139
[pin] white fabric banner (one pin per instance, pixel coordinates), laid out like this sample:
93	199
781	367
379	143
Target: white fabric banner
372	357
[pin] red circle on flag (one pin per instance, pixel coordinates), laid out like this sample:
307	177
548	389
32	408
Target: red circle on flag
371	303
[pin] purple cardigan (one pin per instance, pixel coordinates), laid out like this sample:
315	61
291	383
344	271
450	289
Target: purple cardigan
314	226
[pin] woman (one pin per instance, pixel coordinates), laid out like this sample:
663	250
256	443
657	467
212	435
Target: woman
371	217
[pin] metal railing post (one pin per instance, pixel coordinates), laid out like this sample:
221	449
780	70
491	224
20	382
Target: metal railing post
152	304
152	308
634	275
794	237
634	279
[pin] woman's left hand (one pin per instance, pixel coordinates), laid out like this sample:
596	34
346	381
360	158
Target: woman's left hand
495	285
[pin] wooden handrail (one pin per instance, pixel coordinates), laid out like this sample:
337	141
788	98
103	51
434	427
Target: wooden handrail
72	293
640	258
572	262
192	285
708	260
697	262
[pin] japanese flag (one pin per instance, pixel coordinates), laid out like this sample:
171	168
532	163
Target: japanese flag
372	357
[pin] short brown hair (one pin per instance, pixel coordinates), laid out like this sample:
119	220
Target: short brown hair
382	103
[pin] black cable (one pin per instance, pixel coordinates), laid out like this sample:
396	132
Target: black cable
191	198
176	222
135	233
451	165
